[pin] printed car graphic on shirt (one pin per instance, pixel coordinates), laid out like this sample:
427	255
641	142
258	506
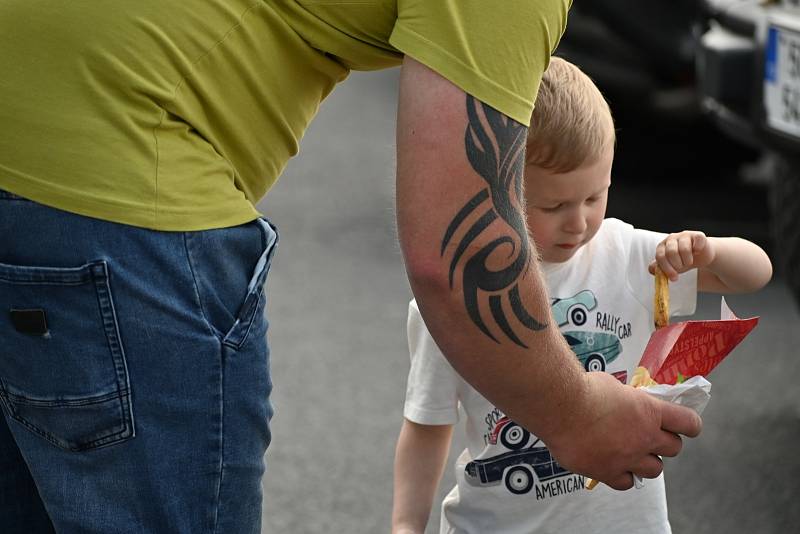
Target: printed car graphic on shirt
595	350
510	434
516	468
574	309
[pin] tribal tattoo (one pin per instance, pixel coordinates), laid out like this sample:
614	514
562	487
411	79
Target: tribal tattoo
495	146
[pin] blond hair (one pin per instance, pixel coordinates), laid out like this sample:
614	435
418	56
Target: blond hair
571	123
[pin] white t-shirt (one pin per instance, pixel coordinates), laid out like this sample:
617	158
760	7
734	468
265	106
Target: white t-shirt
507	481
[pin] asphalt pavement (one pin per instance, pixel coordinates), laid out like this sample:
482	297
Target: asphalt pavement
337	300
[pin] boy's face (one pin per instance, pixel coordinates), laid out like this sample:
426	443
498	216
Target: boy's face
564	211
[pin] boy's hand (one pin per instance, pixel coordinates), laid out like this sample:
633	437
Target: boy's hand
683	251
618	431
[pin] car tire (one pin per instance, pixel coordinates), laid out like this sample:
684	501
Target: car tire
519	480
578	315
595	362
514	437
785	207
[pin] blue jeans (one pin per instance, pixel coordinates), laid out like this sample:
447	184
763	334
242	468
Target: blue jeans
134	375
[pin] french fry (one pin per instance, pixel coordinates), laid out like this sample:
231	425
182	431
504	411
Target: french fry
661	300
641	376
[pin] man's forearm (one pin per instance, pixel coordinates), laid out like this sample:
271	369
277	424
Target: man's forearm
535	386
483	298
492	269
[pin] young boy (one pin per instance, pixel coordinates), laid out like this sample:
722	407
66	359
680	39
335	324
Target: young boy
599	273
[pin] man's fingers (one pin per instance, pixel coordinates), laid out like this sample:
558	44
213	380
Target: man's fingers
680	420
670	445
622	482
650	467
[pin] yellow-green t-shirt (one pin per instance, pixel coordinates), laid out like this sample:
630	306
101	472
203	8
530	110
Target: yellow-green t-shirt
181	114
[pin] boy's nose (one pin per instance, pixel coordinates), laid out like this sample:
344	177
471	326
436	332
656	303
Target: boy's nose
575	224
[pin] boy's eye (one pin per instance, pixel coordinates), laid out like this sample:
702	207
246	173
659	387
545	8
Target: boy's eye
550	208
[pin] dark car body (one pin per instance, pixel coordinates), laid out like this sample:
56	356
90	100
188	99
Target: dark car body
491	471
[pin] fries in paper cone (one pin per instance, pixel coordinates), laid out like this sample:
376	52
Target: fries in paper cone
685	350
641	378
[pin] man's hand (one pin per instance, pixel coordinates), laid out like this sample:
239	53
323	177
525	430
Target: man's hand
683	251
616	431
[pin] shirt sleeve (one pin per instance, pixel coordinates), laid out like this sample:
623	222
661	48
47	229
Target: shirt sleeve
432	389
494	51
641	251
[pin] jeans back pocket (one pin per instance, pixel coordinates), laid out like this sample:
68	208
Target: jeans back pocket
63	373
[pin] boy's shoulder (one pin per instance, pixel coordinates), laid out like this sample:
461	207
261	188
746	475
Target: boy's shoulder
612	228
613	233
622	239
611	224
622	232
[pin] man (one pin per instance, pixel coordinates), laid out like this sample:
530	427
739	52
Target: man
135	141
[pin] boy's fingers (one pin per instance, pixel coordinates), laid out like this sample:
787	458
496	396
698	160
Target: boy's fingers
685	251
699	241
672	258
671	249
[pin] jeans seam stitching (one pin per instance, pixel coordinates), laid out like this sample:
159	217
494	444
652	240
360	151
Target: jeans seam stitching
115	347
107	439
247	315
221	441
252	319
56	403
246	318
208	324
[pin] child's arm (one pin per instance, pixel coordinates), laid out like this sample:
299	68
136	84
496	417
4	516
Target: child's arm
418	466
725	264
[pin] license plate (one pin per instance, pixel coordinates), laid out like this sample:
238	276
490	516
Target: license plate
782	80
